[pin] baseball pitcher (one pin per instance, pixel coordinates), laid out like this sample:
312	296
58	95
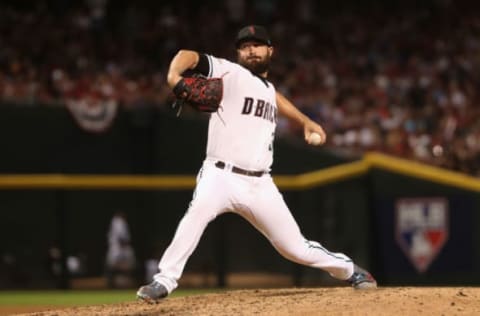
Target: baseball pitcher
235	176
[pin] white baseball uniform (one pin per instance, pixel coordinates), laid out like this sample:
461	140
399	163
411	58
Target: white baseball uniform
235	178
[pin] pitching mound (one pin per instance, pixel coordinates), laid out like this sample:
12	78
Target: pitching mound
302	301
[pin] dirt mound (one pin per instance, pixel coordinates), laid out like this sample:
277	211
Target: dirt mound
302	301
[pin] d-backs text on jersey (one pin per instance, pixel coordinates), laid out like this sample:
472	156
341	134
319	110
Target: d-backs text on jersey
260	108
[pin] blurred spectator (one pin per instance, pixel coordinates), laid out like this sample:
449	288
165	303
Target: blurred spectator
120	261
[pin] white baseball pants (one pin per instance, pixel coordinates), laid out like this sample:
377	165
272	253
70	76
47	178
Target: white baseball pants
258	200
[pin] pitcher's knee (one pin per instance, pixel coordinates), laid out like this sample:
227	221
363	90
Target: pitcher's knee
202	208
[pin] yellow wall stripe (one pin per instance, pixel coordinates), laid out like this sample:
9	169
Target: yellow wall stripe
422	171
321	177
55	181
288	182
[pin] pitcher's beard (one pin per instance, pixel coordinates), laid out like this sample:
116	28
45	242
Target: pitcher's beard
257	67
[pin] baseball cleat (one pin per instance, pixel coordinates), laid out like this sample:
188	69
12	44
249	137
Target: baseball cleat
152	293
362	279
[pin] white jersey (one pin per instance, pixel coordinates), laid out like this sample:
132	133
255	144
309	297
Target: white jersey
242	131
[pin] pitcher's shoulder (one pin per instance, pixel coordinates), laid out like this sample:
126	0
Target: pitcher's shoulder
219	67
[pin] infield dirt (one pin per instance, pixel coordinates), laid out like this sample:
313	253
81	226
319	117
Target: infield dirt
301	301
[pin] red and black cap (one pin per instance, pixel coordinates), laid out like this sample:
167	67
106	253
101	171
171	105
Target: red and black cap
253	33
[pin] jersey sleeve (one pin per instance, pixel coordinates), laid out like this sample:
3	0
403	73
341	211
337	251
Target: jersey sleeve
203	65
218	67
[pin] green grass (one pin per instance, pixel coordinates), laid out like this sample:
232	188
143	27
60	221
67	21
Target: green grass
75	297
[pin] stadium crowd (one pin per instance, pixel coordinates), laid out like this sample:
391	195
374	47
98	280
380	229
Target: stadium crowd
396	78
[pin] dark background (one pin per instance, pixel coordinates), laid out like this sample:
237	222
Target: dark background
58	50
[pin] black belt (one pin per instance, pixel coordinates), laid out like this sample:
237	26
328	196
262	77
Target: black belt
221	165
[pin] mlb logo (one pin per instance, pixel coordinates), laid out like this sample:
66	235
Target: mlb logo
422	229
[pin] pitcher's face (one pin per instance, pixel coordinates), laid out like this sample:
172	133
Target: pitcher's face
255	56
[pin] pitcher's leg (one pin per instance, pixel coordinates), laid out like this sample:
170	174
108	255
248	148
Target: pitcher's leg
271	216
207	203
184	242
186	238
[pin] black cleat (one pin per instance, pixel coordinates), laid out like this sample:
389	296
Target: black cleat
362	279
152	292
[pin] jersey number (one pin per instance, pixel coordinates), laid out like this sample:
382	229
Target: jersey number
270	147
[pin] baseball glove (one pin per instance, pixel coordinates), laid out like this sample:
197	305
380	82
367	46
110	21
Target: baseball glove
203	94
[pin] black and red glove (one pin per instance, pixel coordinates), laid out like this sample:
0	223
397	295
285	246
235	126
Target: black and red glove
203	94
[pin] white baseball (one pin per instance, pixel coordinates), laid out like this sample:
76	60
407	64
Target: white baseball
315	139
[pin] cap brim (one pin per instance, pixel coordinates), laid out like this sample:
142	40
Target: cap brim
252	39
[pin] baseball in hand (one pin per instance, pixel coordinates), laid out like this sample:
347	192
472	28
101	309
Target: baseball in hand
315	139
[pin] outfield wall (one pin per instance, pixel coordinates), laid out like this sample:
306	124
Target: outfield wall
52	194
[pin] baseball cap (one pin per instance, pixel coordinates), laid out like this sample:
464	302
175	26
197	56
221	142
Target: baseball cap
253	32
